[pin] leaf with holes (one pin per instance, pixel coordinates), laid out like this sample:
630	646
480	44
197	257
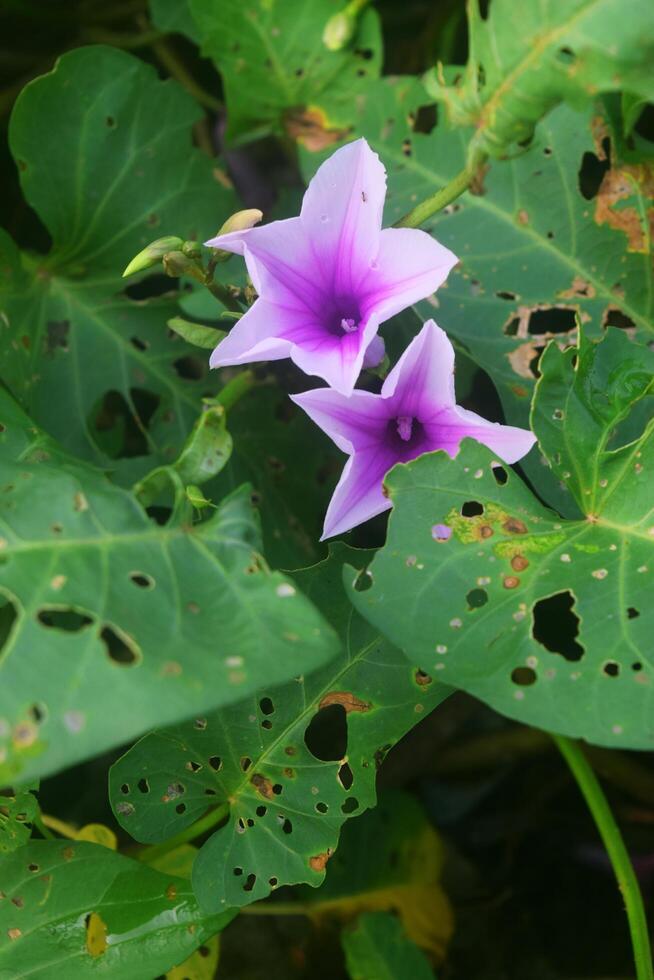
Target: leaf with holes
82	910
389	859
527	269
18	808
526	59
376	948
547	620
277	73
271	437
292	763
103	149
120	623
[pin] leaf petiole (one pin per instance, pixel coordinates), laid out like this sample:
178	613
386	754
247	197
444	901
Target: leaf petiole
197	829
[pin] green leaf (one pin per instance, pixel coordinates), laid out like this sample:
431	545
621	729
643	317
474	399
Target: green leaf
197	334
376	948
547	620
287	802
526	59
121	623
388	860
104	153
174	17
293	468
18	808
528	244
82	910
278	76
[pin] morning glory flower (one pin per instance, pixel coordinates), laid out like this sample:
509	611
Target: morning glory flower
327	279
415	413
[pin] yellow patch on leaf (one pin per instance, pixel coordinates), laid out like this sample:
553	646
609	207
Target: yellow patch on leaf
96	935
201	965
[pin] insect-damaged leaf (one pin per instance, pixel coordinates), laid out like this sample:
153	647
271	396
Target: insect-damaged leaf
528	268
294	763
18	807
525	59
118	622
547	620
104	158
82	910
277	72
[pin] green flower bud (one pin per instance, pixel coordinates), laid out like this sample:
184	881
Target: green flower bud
152	254
339	31
177	264
192	250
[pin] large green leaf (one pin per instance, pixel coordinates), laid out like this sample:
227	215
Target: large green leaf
277	73
287	803
376	948
81	910
526	58
534	251
547	620
121	623
104	155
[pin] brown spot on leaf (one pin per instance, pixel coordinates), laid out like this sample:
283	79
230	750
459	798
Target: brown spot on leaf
319	861
580	288
485	531
618	186
523	217
346	699
171	892
14	933
263	785
513	526
477	183
308	126
519	563
511	582
520	360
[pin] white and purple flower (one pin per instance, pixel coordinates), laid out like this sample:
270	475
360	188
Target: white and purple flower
327	279
416	412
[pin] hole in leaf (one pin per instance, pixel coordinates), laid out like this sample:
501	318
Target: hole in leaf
326	734
566	55
124	789
611	668
425	118
216	763
500	474
180	808
193	766
477	598
250	882
267	724
322	807
472	508
266	706
523	676
143	785
287	826
504	294
637	666
238	872
245	763
351	804
556	625
554	320
616	318
632	612
8	616
272	882
277	789
139	344
142	580
67	620
345	776
190	367
121	648
261	811
110	122
592	170
160	515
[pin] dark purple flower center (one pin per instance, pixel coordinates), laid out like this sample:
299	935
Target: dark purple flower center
406	436
343	316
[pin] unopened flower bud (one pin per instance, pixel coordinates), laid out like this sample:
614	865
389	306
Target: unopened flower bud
177	264
192	250
240	221
339	30
152	254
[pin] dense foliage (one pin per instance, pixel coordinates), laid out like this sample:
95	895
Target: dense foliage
201	701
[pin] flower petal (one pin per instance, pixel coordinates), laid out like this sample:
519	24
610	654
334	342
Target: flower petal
508	441
353	423
336	359
258	335
342	214
359	496
410	265
422	382
280	262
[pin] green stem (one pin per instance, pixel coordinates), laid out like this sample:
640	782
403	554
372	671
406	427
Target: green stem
201	826
437	201
44	831
616	850
223	294
173	64
355	7
235	389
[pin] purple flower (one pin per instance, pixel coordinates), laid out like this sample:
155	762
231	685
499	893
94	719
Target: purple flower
327	279
415	413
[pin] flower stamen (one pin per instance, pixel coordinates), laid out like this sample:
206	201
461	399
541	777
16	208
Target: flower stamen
349	325
404	427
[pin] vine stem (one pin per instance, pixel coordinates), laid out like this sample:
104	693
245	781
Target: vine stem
439	200
201	826
235	389
615	847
